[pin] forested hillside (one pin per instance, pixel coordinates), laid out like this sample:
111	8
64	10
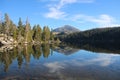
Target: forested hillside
94	35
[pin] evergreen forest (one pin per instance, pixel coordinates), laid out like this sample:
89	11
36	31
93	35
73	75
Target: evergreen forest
25	33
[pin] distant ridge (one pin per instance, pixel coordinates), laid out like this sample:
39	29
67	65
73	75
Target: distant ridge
66	29
98	35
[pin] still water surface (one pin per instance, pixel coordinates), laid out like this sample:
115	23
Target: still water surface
58	63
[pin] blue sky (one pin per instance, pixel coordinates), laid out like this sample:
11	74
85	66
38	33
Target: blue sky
82	14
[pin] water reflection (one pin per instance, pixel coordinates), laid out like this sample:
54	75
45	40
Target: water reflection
21	53
98	47
66	50
37	51
49	62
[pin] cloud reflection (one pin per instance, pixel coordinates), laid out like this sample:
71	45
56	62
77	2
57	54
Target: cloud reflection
54	66
102	60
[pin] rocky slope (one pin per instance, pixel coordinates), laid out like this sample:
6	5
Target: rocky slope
66	29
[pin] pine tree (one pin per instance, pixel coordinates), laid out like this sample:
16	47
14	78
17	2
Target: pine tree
37	33
28	32
7	24
20	28
46	34
1	27
14	32
11	28
28	37
20	23
21	31
51	36
34	32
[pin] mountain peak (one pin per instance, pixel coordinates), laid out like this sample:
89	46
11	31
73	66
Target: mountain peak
66	29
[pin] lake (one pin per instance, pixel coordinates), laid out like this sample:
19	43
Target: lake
49	62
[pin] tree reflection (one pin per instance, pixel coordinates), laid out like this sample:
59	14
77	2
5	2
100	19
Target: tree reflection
23	53
20	56
6	59
46	50
37	51
27	50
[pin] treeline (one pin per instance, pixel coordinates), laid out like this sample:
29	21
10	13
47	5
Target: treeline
98	35
23	33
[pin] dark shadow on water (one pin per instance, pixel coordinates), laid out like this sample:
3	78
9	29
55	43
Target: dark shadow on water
99	47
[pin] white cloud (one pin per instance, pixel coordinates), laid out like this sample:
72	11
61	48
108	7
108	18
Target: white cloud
101	20
64	2
55	11
47	0
68	1
86	1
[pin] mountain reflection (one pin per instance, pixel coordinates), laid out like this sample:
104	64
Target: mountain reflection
66	50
